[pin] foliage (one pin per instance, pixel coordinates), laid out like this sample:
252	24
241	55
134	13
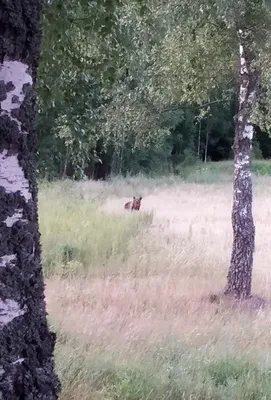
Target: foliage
126	82
92	89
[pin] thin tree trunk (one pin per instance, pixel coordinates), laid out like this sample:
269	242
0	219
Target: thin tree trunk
199	137
66	160
240	271
121	154
26	350
206	144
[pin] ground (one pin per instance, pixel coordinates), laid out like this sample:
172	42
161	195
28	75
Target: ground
132	296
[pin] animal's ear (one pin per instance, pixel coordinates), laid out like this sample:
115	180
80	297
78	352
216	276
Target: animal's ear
140	198
134	197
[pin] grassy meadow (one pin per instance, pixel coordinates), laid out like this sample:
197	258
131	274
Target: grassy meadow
129	293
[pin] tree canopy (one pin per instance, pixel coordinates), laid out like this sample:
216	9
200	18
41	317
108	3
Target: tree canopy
124	84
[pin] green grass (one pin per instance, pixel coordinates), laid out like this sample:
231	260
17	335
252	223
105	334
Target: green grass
185	375
77	235
216	172
261	167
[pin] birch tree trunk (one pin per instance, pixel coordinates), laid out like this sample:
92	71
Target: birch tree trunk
26	344
240	271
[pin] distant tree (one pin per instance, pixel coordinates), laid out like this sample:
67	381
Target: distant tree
26	350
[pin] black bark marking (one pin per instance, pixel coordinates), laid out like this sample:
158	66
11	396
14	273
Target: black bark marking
5	88
15	99
3	91
9	86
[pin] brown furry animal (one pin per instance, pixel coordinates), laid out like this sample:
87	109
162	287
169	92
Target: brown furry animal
134	204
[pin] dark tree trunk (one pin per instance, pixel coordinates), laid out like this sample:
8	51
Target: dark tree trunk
26	344
199	138
206	143
240	271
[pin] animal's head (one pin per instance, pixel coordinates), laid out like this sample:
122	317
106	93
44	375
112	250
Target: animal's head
136	202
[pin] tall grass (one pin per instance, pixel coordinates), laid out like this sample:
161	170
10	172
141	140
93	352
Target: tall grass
78	235
129	299
85	376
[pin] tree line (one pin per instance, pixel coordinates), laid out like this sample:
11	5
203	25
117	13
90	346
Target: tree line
103	108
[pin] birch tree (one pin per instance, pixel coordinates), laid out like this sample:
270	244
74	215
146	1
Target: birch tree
26	351
230	42
240	271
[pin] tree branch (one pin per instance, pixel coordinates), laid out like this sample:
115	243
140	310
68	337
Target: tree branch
176	108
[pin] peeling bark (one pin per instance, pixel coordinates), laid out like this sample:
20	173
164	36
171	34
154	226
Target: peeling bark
240	271
26	351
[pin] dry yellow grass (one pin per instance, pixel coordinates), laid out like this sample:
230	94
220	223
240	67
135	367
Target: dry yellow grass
161	292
